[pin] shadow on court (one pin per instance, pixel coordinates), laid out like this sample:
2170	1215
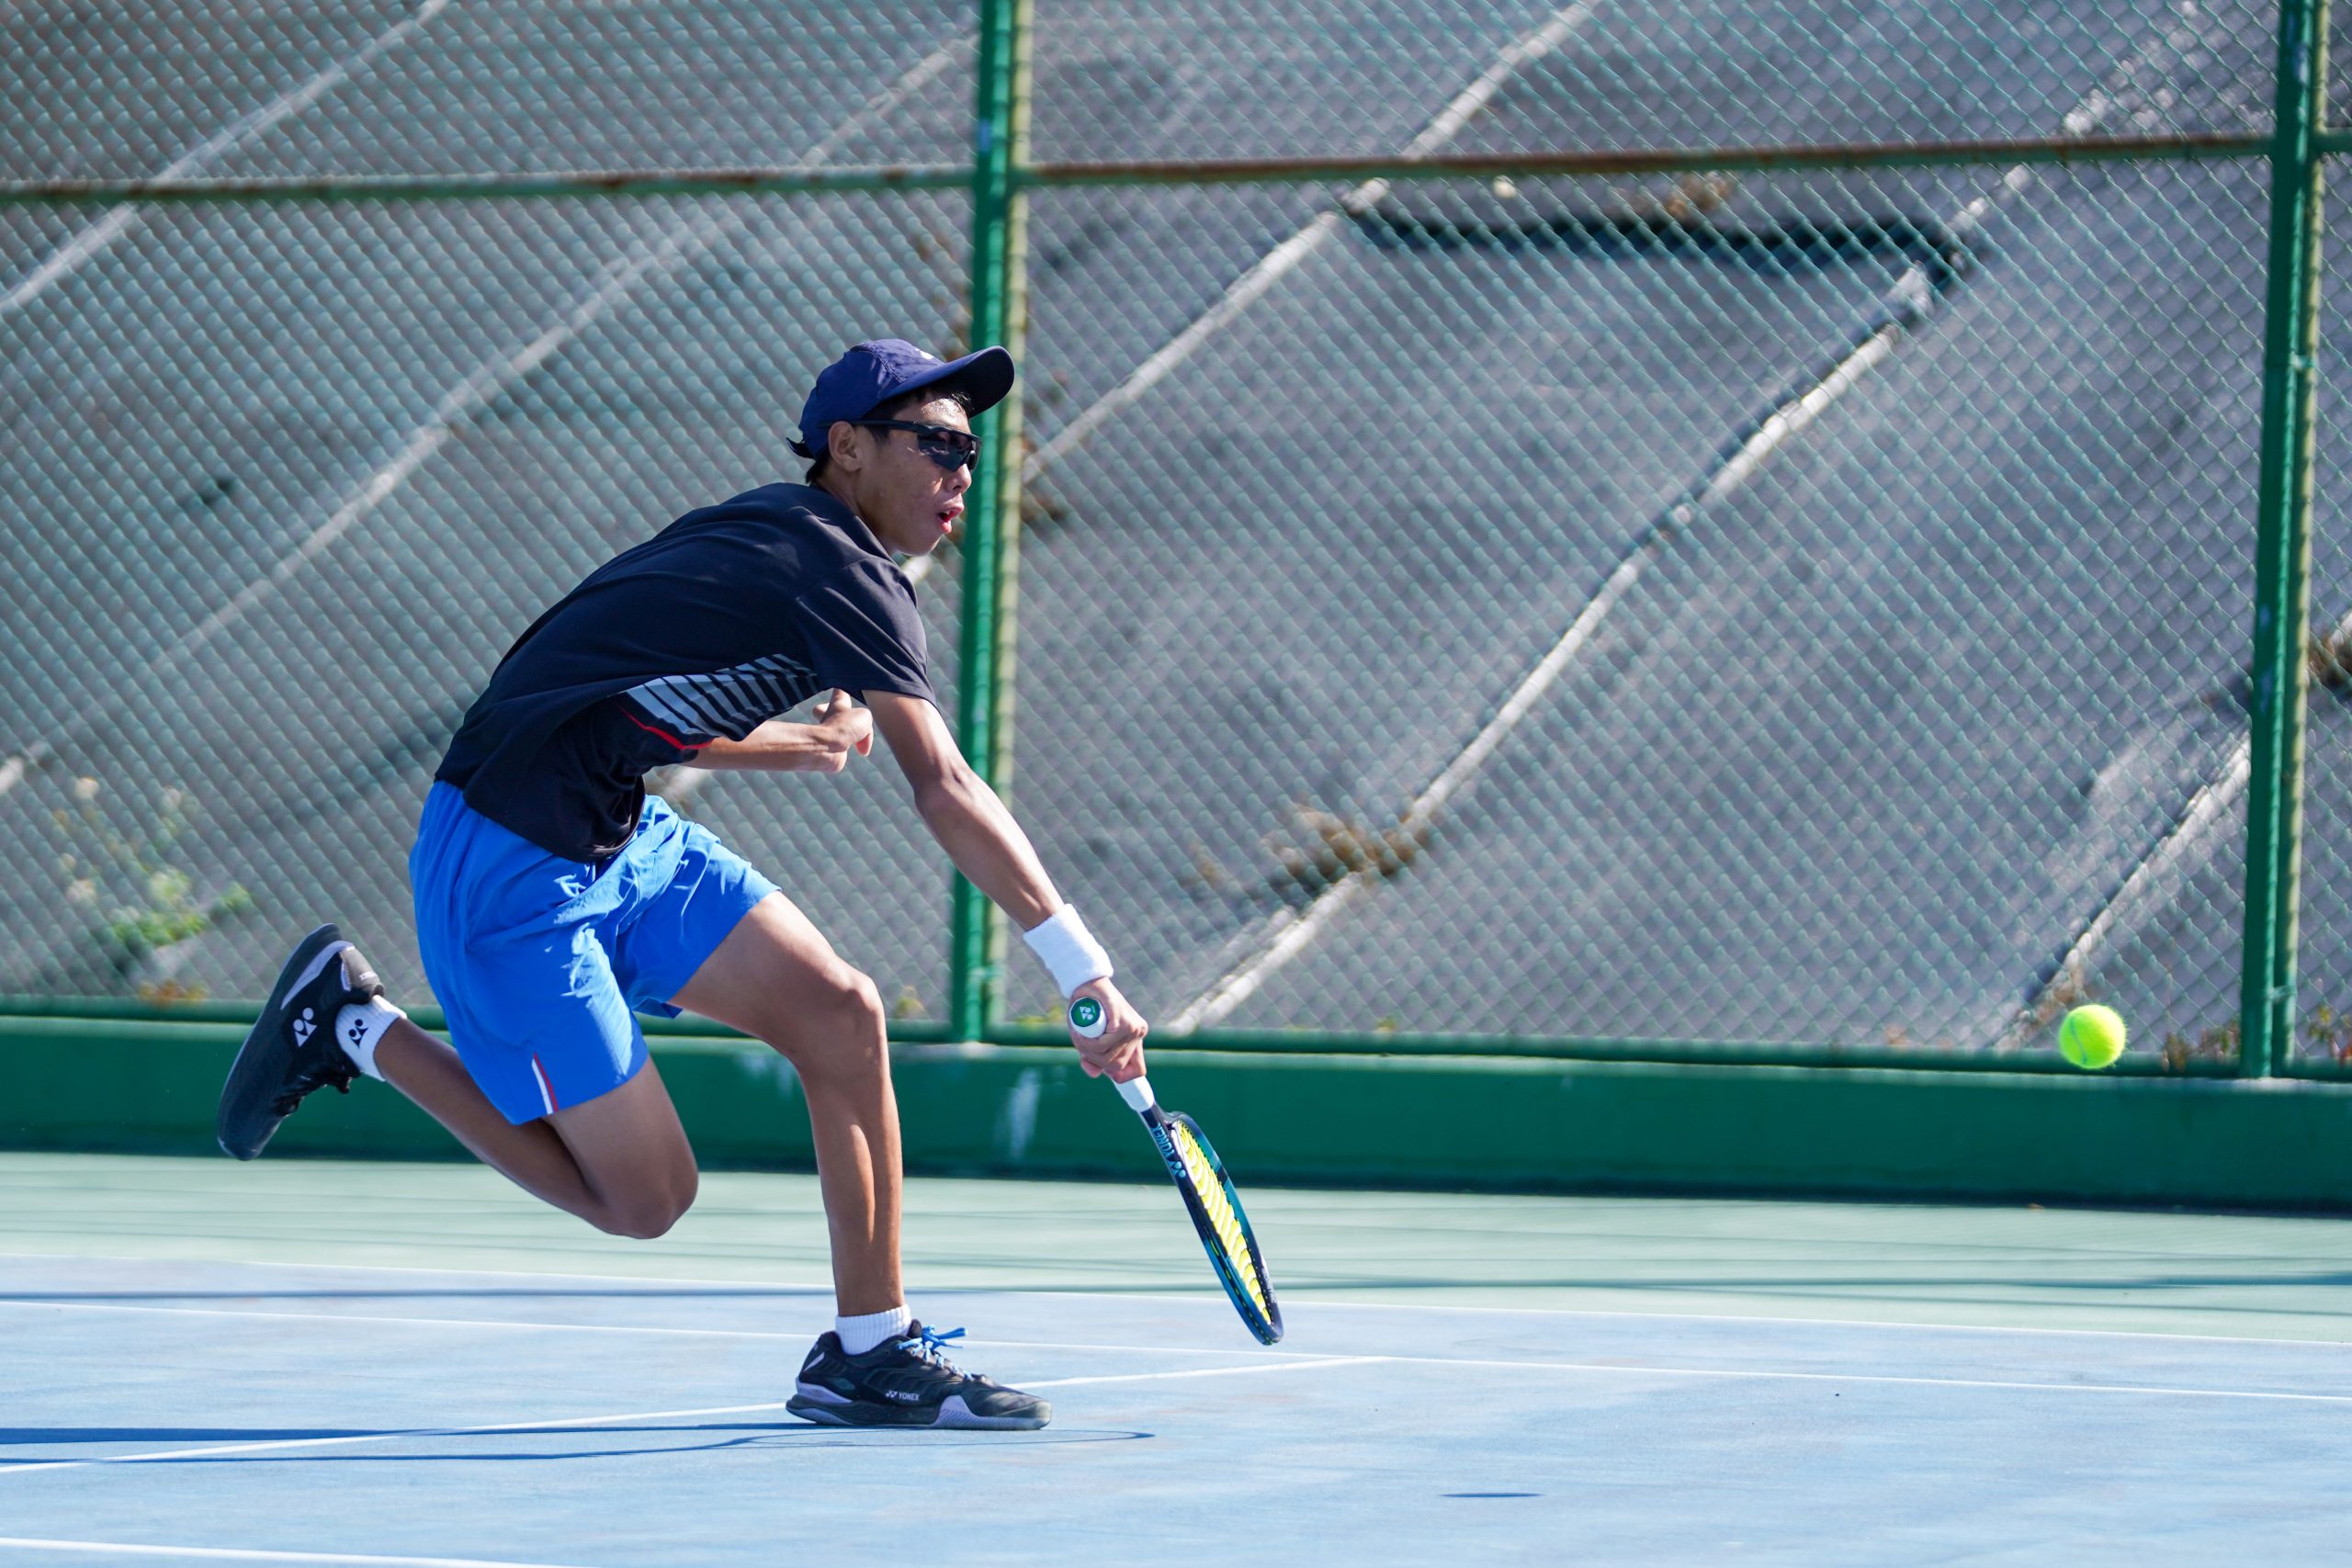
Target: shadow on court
796	1434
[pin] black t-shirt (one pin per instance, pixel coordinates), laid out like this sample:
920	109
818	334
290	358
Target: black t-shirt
723	620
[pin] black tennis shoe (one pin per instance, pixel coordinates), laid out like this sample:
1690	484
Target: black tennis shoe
291	1049
907	1381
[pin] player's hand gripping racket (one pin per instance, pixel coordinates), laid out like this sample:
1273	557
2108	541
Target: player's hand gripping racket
1208	1193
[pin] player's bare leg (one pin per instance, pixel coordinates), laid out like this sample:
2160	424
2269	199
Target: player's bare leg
777	980
531	1155
620	1161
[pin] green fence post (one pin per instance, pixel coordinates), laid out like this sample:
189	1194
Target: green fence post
2282	548
992	518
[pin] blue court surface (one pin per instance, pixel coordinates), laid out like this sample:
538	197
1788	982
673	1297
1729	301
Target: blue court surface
320	1363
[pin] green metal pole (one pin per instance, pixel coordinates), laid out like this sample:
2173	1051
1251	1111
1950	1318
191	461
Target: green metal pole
991	520
2282	548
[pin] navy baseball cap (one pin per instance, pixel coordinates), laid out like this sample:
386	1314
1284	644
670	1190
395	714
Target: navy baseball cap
885	369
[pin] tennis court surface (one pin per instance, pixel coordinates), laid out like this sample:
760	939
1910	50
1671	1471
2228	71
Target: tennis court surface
312	1362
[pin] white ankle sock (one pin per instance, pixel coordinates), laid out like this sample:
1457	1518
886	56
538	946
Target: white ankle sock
357	1028
860	1335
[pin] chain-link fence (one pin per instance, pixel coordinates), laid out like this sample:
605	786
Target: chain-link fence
1730	534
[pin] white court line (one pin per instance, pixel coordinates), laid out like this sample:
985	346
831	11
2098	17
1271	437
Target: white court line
419	1322
1320	1305
1297	1358
1324	1304
796	1338
655	1284
1581	1368
241	1554
1769	1375
160	1456
67	258
280	1444
1625	1369
1311	1304
1629	1369
1217	1371
1302	1357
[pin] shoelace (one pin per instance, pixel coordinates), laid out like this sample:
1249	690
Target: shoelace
337	1074
933	1347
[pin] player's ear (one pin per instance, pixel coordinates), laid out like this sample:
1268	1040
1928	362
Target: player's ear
846	445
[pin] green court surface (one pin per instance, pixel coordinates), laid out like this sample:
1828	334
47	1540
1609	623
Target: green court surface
318	1361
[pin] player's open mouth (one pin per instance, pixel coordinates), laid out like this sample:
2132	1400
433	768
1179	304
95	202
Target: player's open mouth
948	516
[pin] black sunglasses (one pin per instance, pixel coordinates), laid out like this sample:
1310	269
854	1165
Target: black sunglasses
943	443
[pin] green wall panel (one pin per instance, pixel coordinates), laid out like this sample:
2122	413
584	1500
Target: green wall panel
86	1084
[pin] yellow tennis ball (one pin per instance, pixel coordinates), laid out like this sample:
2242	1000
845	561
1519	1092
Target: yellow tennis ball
2091	1037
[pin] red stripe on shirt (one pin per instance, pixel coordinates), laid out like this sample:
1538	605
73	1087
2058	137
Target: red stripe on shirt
649	729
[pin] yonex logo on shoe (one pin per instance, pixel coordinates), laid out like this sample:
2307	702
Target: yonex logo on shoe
905	1395
304	1028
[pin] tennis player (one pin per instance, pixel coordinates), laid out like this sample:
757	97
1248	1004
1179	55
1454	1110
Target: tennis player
556	899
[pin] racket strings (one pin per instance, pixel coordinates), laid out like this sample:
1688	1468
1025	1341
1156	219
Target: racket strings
1222	1219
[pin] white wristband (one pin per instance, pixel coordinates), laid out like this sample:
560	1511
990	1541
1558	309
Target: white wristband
1068	950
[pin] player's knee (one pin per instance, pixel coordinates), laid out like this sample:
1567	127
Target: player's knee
647	1215
644	1221
860	1044
859	1002
645	1227
845	994
841	1032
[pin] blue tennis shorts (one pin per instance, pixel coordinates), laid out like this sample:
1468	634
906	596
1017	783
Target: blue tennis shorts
541	964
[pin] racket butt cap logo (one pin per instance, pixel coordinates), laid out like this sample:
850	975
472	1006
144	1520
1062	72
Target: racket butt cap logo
1088	1017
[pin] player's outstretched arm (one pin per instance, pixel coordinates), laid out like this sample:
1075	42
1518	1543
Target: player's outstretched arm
987	845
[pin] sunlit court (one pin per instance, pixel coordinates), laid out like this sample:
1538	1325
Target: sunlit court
319	1361
1371	782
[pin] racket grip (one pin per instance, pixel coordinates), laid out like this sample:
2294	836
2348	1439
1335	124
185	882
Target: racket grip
1136	1092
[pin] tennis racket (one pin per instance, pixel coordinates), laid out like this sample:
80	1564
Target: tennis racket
1208	1191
